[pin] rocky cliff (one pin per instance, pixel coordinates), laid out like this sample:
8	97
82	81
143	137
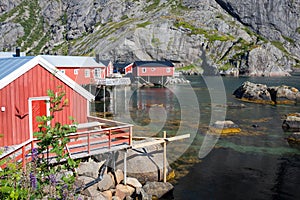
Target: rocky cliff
259	38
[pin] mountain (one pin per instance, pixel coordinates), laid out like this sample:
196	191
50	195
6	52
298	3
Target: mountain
259	38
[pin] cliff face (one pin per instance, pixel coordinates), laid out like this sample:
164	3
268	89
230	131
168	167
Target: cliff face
254	38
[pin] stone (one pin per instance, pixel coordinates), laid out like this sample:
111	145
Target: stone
158	189
142	194
133	182
81	181
291	123
294	139
108	194
90	169
119	176
260	93
106	183
125	190
226	127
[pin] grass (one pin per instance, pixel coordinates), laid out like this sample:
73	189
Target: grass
290	40
152	6
143	25
279	46
186	68
298	30
226	67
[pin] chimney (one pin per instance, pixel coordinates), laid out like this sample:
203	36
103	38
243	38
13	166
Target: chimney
18	51
97	57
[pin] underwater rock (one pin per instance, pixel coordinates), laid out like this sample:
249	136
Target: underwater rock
291	123
226	127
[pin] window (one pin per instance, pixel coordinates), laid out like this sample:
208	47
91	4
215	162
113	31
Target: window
75	71
87	73
153	69
168	70
144	70
63	71
97	73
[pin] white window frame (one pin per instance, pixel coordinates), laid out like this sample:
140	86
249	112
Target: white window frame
87	73
168	70
144	70
46	98
63	71
97	72
153	69
76	71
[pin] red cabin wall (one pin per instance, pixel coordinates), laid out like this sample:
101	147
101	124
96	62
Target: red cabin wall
154	71
80	77
34	83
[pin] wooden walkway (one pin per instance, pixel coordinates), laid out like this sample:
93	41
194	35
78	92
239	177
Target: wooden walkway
87	141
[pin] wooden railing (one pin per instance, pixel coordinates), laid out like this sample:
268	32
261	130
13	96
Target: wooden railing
112	135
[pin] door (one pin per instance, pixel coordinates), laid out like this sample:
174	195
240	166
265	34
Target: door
38	106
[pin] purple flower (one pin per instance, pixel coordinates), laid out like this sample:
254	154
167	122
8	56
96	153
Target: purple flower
34	154
33	181
79	198
52	179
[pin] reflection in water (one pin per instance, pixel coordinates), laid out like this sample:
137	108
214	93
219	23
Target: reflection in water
259	164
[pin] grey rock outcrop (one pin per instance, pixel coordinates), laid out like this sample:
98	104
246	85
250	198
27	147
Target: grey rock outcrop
157	189
261	93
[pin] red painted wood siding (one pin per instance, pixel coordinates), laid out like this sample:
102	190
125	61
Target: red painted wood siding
128	69
153	71
81	77
34	83
109	70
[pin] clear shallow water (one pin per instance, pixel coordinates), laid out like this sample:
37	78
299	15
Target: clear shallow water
259	164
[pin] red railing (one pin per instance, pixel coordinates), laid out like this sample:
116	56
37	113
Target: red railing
82	143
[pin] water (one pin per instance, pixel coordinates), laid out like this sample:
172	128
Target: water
258	164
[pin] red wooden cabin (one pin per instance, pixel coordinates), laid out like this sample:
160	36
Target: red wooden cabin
24	82
83	70
153	71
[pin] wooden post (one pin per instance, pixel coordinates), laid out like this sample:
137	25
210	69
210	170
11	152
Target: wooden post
125	167
104	103
165	157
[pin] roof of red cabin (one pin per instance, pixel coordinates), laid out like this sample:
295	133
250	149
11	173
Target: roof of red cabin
12	68
153	64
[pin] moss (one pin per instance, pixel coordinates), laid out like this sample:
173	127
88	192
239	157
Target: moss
152	6
226	67
143	25
279	46
186	68
298	30
124	17
225	131
290	40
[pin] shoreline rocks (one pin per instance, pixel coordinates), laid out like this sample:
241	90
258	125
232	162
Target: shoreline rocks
110	185
291	123
261	93
225	128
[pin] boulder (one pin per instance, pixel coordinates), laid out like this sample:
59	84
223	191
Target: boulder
224	127
294	139
106	183
260	93
291	123
253	92
144	164
124	190
90	169
119	176
133	182
158	189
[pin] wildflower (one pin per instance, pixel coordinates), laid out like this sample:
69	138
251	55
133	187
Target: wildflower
33	181
34	153
52	179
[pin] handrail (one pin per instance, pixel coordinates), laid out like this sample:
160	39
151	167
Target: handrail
88	140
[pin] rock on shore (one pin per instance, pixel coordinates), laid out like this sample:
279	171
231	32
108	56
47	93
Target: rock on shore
112	186
261	93
291	123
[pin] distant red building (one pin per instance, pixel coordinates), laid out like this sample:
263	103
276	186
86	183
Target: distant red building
83	70
24	82
153	71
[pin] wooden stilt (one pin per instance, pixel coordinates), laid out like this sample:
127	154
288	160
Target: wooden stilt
125	167
165	157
